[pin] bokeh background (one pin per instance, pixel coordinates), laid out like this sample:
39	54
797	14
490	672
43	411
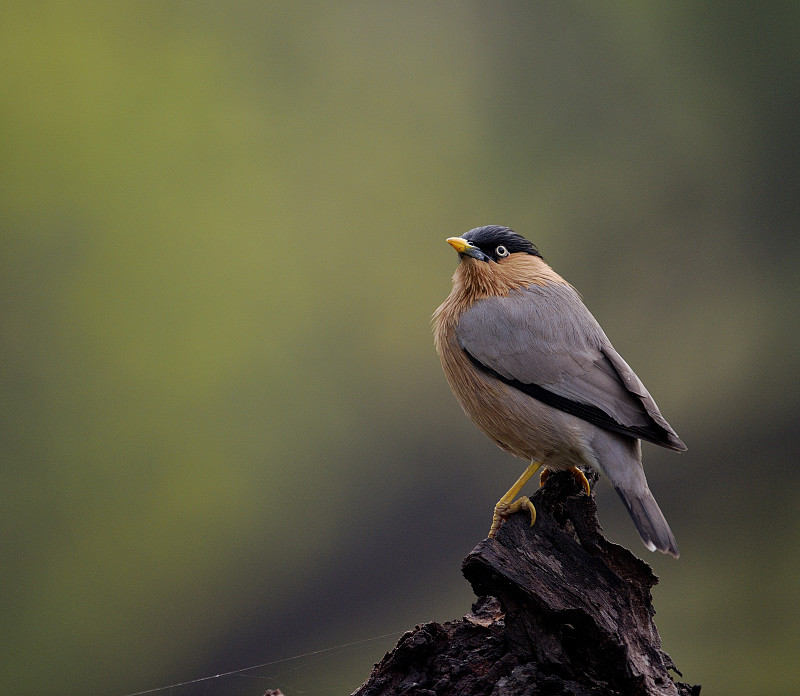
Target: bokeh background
226	439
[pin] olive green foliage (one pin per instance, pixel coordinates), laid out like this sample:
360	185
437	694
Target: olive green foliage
226	436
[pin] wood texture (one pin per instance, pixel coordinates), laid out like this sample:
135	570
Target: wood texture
561	610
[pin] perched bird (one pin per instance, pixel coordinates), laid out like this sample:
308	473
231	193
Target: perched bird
532	368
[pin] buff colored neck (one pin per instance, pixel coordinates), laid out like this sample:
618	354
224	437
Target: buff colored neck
479	279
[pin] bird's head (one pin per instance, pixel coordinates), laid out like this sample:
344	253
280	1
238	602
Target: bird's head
491	244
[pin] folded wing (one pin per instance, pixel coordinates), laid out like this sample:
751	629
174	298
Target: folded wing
543	341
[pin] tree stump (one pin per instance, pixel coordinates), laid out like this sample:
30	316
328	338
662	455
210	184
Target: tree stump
561	610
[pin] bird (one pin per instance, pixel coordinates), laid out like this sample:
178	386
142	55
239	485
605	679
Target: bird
534	371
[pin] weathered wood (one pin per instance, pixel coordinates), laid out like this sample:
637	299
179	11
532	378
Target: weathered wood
573	615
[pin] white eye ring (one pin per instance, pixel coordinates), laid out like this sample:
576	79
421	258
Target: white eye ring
501	251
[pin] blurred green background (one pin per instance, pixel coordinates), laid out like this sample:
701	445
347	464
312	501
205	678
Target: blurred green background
226	435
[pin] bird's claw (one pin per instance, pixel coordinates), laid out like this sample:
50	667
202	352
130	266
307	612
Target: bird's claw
504	510
577	474
580	477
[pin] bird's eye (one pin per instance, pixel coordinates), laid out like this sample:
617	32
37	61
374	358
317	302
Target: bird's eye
501	251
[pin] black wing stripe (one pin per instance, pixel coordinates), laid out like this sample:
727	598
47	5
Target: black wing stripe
597	416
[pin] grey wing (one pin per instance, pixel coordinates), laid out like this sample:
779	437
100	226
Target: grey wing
543	341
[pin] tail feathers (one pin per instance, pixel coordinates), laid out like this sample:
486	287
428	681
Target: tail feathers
649	521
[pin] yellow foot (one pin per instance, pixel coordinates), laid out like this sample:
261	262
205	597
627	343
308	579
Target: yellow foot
577	474
502	511
506	508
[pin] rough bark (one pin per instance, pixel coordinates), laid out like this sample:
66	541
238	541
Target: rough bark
561	610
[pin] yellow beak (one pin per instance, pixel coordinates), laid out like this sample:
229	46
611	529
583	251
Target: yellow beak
459	244
464	248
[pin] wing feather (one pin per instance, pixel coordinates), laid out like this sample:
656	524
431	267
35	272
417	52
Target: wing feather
543	341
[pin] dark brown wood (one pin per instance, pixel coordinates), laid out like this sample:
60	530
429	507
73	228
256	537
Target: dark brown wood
561	610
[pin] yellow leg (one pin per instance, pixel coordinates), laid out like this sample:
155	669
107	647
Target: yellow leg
579	476
505	507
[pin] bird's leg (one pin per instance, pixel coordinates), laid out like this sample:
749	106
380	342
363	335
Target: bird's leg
505	507
577	474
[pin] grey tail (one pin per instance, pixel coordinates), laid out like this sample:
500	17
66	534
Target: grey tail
650	521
